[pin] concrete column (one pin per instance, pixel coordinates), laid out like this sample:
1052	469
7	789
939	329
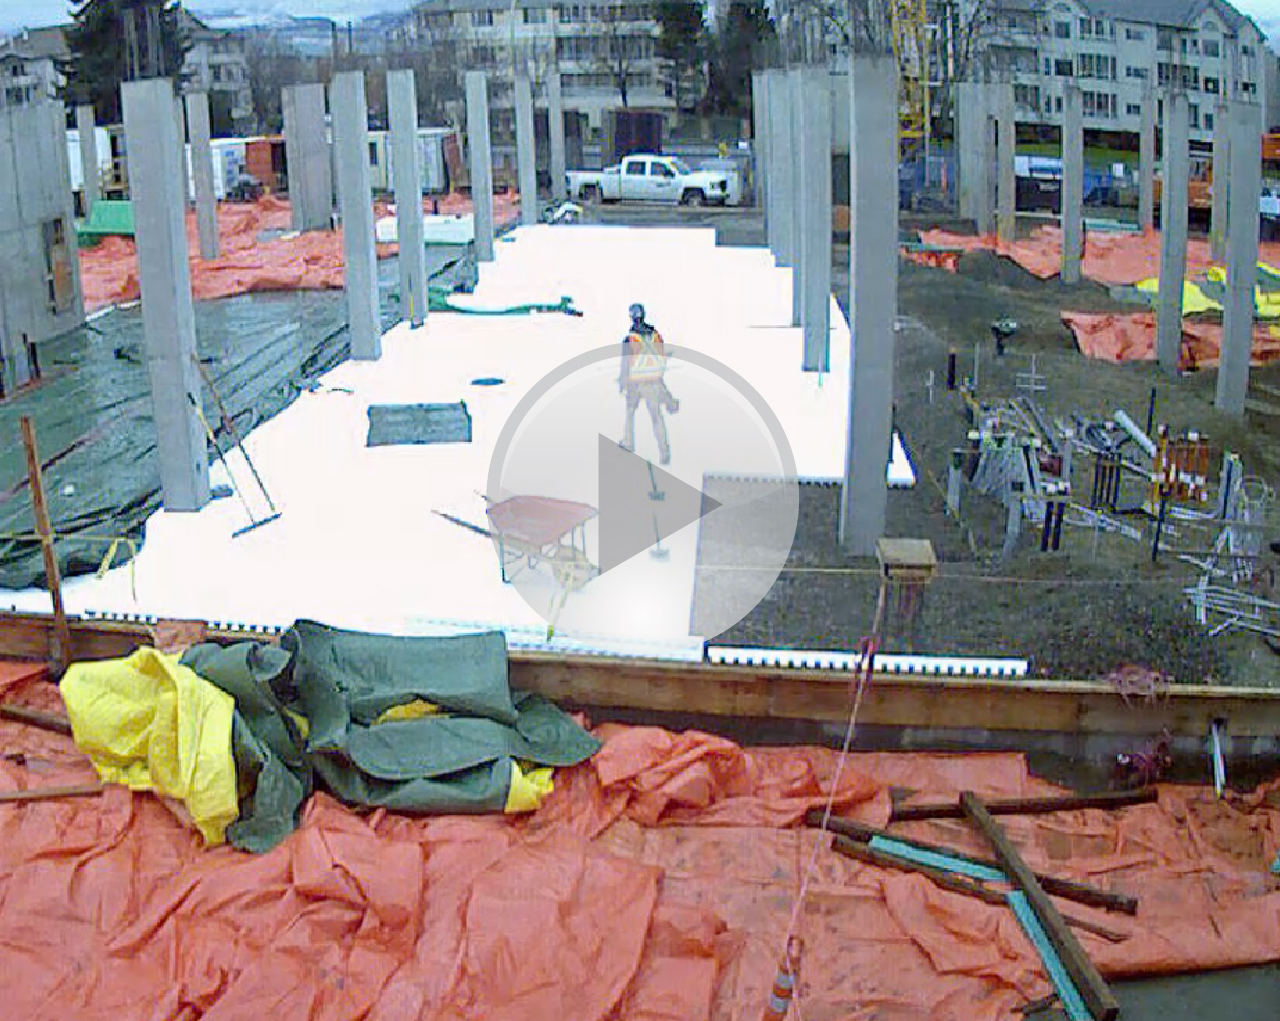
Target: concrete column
1147	163
406	170
758	143
355	205
1222	176
1245	121
815	205
89	170
481	162
1173	231
873	275
782	169
555	136
1072	183
308	157
526	151
796	91
202	174
158	186
1006	174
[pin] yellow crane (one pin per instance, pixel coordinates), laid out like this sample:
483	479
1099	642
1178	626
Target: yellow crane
911	48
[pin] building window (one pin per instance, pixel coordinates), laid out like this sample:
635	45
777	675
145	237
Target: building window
1062	29
1136	72
1135	35
1027	96
1099	104
1048	67
1209	47
1133	110
535	15
1246	51
373	154
481	19
1057	103
1208	121
1164	39
1086	28
1195	117
1063	68
1249	88
1211	85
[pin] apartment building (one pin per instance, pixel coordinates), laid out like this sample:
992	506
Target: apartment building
216	64
29	65
600	49
1122	54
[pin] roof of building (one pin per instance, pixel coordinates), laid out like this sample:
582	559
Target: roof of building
33	43
1171	13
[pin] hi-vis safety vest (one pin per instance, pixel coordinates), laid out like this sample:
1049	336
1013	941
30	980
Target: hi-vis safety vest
647	363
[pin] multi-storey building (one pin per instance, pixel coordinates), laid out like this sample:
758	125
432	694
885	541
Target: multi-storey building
1122	54
29	65
601	49
215	63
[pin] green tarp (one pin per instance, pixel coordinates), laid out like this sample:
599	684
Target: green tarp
336	684
108	217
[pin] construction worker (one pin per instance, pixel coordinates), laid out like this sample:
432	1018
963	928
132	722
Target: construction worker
644	363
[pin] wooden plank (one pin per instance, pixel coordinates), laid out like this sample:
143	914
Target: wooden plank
945	704
956	884
53	580
1093	990
87	790
1067	889
1026	806
35	718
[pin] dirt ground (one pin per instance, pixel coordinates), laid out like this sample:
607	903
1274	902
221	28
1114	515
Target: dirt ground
1079	613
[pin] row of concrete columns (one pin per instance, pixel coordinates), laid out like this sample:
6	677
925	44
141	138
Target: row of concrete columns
793	112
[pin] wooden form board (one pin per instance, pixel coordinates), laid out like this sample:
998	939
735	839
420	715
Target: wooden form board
744	692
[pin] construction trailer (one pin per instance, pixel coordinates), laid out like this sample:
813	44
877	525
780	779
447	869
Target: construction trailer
40	293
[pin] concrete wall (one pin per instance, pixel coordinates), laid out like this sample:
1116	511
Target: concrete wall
35	189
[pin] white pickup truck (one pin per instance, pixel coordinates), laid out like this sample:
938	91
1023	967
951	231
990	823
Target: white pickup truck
644	178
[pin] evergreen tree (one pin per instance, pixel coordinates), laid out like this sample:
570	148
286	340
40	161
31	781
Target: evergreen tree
100	58
680	44
743	35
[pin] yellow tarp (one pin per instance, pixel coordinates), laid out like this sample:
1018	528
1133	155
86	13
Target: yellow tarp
1194	300
153	725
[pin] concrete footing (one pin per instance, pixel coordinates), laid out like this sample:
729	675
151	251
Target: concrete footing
87	127
1072	184
355	204
158	186
481	156
1173	231
308	158
814	197
873	275
1245	186
406	169
526	151
555	137
202	173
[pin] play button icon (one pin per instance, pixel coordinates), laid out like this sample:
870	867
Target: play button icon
641	505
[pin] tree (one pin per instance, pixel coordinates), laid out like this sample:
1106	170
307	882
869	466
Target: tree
743	34
221	123
619	49
680	44
100	60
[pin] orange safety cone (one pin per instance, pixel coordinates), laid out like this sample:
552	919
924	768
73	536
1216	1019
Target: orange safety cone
784	983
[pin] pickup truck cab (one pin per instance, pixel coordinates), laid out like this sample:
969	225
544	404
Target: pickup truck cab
644	178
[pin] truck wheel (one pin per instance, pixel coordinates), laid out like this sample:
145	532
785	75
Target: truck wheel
693	198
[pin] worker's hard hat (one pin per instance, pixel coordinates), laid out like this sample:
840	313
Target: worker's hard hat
637	313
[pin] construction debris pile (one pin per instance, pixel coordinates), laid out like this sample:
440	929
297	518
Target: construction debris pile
657	879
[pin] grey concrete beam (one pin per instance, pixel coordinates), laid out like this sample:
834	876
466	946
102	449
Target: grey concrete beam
796	98
481	153
873	275
1072	183
158	187
406	170
815	205
1006	171
202	174
87	126
555	136
759	144
782	167
1219	217
1245	122
1147	163
526	150
355	204
1173	231
308	157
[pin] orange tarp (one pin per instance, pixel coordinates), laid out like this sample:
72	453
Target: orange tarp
1109	258
1132	337
655	884
309	261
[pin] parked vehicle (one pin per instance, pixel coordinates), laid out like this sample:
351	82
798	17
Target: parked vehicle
645	178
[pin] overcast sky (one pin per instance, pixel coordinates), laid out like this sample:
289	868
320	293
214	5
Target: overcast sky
15	14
